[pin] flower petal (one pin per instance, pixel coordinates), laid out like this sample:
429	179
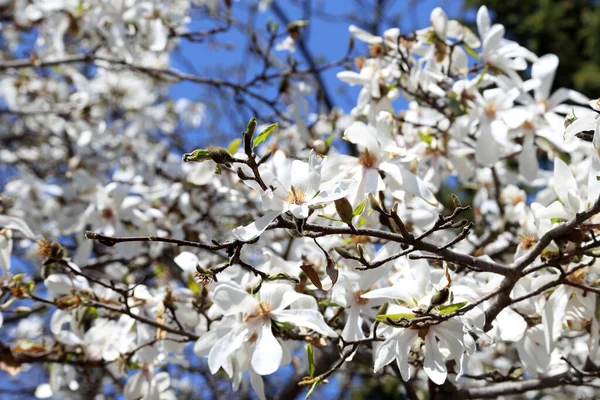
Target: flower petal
434	365
310	319
255	229
268	353
232	300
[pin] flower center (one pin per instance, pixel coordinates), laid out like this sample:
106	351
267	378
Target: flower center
577	276
262	311
527	241
295	196
359	300
527	125
367	159
107	213
490	111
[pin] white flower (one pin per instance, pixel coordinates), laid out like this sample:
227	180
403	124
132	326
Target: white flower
295	192
258	316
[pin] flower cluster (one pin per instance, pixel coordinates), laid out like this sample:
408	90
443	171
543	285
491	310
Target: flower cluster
454	244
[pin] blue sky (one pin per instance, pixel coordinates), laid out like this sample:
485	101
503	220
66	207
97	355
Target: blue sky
327	39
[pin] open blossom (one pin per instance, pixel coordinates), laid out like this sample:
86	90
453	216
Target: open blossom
258	316
414	292
294	191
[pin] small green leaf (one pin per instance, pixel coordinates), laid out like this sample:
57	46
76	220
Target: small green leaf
264	135
472	52
481	76
329	141
286	326
218	170
311	359
234	145
450	308
393	317
192	284
329	218
359	208
198	155
426	137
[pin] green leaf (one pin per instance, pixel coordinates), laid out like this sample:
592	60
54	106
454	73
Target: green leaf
359	208
234	145
311	359
329	218
472	52
481	76
192	284
329	141
450	308
264	135
426	137
218	170
198	155
393	317
285	326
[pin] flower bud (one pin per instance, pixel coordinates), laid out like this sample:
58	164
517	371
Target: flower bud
343	252
440	297
374	203
249	135
344	210
219	154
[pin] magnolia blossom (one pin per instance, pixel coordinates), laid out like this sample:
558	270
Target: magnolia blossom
258	316
294	191
415	291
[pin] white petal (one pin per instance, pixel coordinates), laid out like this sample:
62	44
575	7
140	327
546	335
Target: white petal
63	284
386	352
544	69
162	381
187	261
268	353
586	122
439	22
492	39
232	300
554	210
158	35
561	95
487	151
405	341
511	325
256	381
364	36
224	347
553	317
564	181
352	78
528	165
6	245
359	133
483	21
434	365
353	328
273	294
310	319
402	179
17	224
133	388
255	229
